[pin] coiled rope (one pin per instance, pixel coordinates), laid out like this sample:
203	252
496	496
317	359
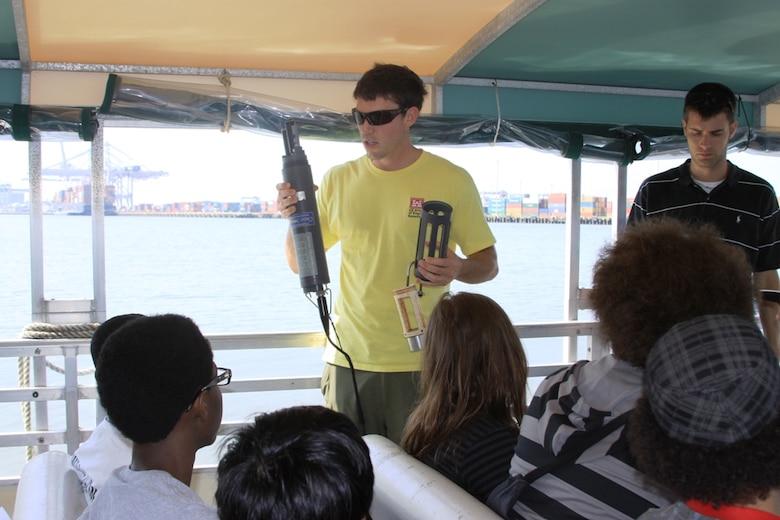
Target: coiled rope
47	331
53	331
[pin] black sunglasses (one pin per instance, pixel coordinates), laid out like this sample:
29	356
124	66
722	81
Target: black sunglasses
377	117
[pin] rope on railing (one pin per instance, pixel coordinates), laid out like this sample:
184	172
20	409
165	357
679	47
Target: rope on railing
23	364
57	331
48	331
54	331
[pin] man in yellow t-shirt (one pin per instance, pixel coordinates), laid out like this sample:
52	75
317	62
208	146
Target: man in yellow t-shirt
372	206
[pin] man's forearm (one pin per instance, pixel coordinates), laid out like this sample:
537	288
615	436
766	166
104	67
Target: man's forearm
480	267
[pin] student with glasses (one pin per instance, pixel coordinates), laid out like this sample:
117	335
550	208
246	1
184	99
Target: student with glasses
372	206
157	380
709	188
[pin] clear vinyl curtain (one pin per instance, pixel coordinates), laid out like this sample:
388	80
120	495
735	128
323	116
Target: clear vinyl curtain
212	106
185	104
48	123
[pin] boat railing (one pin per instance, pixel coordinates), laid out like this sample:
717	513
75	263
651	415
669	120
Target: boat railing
67	356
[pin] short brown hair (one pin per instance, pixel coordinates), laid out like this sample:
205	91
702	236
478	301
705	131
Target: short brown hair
710	99
396	82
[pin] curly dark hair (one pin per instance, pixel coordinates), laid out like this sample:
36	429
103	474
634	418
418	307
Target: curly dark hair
299	462
738	473
396	82
105	329
663	271
150	370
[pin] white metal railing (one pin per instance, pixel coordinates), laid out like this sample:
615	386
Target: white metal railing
41	392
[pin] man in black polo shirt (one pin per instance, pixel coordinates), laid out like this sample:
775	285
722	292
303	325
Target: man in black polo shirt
708	187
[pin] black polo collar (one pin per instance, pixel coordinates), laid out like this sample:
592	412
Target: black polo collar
684	170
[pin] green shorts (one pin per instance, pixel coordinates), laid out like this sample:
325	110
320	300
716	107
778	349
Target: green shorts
386	398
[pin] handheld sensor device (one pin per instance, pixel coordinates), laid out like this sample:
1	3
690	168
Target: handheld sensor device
307	240
432	241
305	222
434	234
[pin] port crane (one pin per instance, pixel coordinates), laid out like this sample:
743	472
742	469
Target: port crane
121	172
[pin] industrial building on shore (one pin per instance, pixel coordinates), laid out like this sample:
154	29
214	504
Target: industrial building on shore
499	206
502	206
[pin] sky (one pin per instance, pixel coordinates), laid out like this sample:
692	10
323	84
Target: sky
207	164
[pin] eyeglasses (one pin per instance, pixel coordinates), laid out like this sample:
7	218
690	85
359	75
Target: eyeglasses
223	378
377	117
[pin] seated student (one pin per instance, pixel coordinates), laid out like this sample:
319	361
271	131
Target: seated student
709	425
157	380
657	273
305	462
472	393
106	449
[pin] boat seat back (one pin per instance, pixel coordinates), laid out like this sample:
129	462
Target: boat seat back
405	487
49	488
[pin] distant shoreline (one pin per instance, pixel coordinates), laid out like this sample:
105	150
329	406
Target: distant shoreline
543	220
198	214
231	214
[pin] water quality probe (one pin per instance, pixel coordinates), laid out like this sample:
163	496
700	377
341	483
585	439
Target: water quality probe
432	241
434	234
307	239
305	222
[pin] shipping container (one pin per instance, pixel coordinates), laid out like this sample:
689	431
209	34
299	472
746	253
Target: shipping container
514	211
557	198
497	207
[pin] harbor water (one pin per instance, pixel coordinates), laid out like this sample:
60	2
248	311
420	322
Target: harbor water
230	275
